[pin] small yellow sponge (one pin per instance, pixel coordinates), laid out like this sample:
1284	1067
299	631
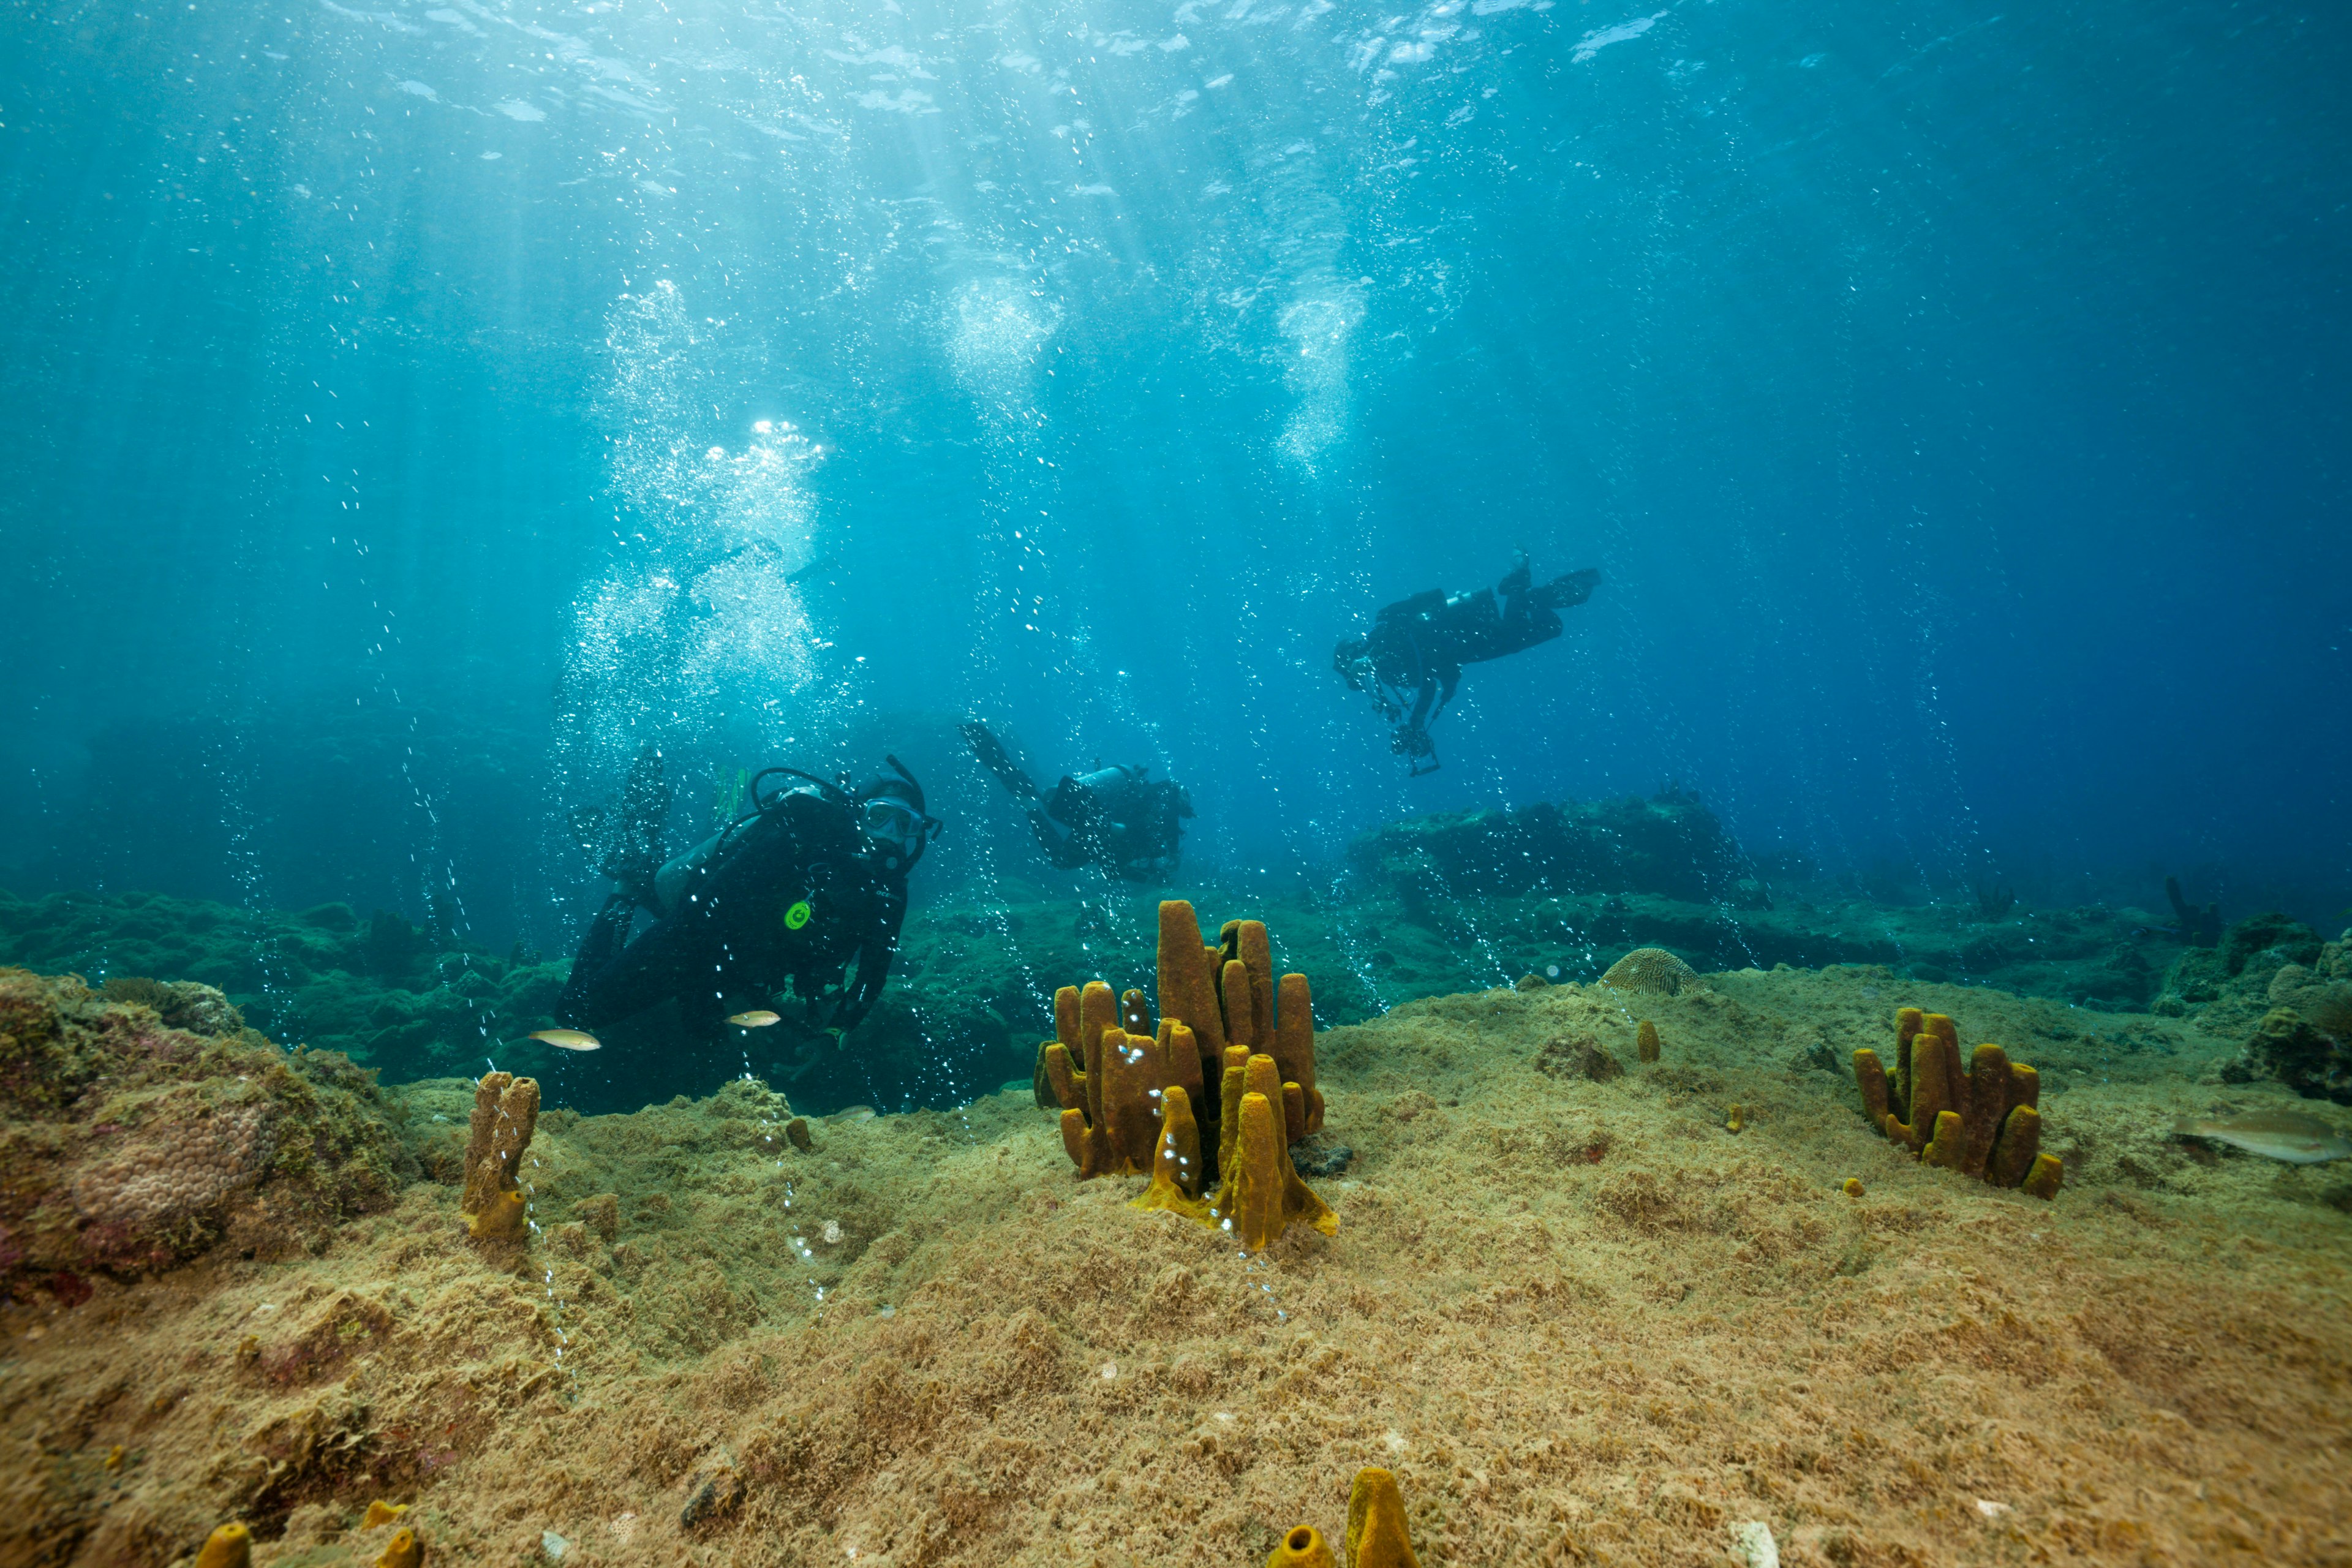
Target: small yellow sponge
230	1546
1304	1547
1377	1536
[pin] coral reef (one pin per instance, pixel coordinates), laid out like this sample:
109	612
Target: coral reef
506	1114
128	1145
1570	1318
1984	1122
962	1012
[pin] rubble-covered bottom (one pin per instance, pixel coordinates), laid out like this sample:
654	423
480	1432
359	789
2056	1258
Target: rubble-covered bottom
1581	1320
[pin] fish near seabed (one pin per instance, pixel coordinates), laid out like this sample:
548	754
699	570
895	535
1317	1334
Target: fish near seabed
568	1040
2287	1135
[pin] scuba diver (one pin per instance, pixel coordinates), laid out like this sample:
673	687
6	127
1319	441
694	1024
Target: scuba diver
1420	645
806	887
1113	817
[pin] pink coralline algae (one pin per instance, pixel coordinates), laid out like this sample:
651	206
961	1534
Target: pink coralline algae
129	1146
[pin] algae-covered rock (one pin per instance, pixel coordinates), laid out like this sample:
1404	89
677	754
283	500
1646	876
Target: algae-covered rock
127	1144
2298	1053
1669	845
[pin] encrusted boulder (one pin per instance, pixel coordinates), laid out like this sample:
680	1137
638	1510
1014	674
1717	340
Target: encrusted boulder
1669	845
2304	1041
128	1145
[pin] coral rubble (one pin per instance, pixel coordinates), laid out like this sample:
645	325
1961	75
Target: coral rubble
1984	1122
506	1113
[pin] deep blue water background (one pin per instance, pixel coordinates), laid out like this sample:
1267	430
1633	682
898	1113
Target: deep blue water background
1956	399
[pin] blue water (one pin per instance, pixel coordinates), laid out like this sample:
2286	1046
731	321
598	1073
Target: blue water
408	408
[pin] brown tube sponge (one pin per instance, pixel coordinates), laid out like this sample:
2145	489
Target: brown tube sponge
506	1113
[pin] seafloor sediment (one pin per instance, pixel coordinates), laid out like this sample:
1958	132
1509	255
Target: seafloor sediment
1581	1320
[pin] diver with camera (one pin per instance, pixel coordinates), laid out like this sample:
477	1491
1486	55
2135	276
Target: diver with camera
1117	817
805	890
1410	663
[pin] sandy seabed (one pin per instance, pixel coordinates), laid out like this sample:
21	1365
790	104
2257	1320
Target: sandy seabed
1581	1322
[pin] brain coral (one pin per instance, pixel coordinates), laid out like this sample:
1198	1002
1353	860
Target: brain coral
128	1145
1652	969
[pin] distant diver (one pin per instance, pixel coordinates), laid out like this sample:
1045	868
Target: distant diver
1113	817
805	889
1417	646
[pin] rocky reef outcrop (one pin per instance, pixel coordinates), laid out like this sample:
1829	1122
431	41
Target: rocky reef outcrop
142	1124
1669	845
2305	1039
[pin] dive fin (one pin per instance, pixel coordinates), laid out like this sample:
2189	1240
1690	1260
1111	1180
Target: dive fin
998	761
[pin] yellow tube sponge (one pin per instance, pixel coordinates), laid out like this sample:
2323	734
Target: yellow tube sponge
1109	1069
1261	1196
2042	1180
1176	1162
1293	1048
1983	1122
230	1546
1234	989
506	1113
1304	1547
1255	950
1377	1534
1187	991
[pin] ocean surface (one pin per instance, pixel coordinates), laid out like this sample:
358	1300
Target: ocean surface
409	410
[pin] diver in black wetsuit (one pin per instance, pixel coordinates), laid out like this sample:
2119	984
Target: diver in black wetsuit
1113	817
1420	645
805	889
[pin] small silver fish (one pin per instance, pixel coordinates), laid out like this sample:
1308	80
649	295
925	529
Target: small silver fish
853	1113
568	1040
758	1018
2287	1135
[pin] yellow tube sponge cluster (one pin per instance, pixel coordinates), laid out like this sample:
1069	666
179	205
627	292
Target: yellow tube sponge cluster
506	1113
1171	1099
1377	1534
1984	1122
